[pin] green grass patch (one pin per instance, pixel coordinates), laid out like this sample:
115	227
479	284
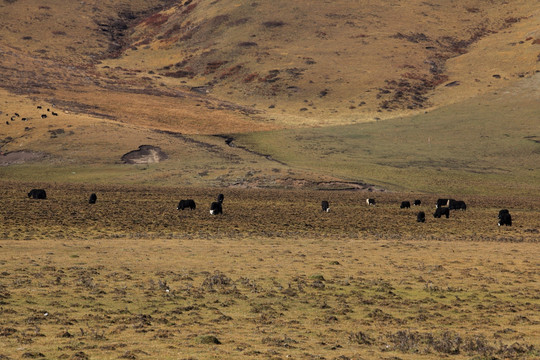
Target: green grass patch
482	146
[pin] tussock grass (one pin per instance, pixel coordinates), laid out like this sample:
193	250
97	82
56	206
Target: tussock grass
110	301
150	212
132	277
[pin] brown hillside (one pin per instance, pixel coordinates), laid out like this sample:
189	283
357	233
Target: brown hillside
121	74
253	66
339	61
49	54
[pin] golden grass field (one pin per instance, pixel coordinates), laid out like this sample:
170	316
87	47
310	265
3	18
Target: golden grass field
273	277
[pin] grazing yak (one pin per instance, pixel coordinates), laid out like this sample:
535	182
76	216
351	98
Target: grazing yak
505	218
92	199
37	194
325	206
220	198
457	205
421	217
184	204
417	202
443	202
216	208
405	205
442	211
370	201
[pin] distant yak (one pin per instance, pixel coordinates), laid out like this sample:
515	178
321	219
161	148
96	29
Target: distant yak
405	205
442	211
325	206
37	194
185	204
457	205
216	208
505	218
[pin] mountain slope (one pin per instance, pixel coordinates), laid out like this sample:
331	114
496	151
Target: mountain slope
335	62
173	74
265	65
487	145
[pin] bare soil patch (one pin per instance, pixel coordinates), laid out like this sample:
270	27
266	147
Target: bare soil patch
146	154
20	157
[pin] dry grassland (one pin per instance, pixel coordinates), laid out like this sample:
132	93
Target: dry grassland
282	63
336	62
274	277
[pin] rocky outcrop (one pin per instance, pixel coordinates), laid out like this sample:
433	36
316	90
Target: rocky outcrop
146	154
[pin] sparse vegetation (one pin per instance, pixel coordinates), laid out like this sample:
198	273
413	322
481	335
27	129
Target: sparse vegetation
106	280
156	20
247	44
196	33
277	104
273	23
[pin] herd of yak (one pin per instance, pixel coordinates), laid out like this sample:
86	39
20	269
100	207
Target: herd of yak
16	116
443	206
